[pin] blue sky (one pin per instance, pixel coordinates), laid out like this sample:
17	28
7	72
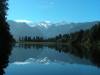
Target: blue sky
54	10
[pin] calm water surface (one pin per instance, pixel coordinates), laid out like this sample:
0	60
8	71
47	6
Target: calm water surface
50	60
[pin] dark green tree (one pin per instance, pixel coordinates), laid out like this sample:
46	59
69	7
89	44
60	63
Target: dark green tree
5	35
77	37
95	32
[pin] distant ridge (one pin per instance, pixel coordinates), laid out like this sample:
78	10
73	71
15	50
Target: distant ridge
46	29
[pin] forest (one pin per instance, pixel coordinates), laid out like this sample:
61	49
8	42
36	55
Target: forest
87	38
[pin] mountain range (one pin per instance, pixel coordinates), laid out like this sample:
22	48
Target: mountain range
46	29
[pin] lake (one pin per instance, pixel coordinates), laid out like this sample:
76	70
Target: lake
29	59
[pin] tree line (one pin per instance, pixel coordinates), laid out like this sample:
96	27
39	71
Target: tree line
82	37
86	37
31	39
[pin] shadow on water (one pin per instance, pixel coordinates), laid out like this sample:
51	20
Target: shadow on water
92	54
5	51
95	55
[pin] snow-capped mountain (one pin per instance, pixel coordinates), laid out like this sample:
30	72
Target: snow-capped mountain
45	29
19	29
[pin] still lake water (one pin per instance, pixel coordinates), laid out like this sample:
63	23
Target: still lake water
49	60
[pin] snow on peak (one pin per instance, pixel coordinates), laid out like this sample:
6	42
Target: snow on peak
44	24
44	60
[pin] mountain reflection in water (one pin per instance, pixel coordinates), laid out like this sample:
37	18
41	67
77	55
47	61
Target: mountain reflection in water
29	59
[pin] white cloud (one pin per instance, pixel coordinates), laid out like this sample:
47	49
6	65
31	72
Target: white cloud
21	63
47	21
25	21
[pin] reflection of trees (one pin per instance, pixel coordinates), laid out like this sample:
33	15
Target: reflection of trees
95	55
28	46
5	51
92	54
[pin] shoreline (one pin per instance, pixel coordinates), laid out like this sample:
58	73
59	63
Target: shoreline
44	43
